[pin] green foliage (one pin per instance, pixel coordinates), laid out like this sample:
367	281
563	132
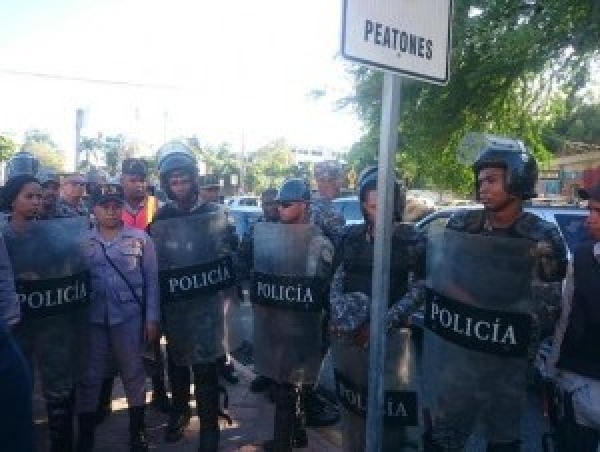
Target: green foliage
40	144
7	148
509	58
269	166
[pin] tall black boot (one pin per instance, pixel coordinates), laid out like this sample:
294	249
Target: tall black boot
105	400
85	437
206	381
60	424
285	416
512	446
137	430
160	399
179	377
300	438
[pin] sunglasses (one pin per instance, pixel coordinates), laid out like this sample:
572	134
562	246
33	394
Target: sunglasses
78	183
286	205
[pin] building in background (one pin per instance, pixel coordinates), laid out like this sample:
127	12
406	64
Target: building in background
576	166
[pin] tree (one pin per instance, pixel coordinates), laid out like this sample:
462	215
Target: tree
40	144
7	148
509	57
269	166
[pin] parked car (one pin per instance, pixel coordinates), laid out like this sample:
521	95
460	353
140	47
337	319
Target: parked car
349	207
570	222
242	201
243	217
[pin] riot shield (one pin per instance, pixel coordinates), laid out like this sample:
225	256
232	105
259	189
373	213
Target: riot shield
288	295
478	331
52	283
195	267
401	430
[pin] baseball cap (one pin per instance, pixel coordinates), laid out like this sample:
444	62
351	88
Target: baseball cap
102	193
328	169
591	193
134	167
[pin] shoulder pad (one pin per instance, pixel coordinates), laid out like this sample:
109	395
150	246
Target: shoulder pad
467	220
530	226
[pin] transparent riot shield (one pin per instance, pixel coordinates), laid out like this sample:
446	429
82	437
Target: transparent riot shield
288	296
195	271
401	416
52	283
478	331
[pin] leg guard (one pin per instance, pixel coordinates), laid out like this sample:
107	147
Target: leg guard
60	424
137	429
85	437
105	400
285	416
206	381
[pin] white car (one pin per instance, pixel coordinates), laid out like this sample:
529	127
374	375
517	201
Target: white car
242	201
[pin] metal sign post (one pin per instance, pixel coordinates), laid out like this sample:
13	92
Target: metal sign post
381	270
412	39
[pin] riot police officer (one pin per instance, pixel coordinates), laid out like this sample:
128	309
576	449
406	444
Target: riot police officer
292	257
493	276
50	277
575	361
350	309
123	313
328	175
191	234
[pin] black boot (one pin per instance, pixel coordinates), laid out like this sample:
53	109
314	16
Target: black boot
206	382
300	438
137	430
85	437
104	404
320	411
513	446
160	399
285	414
180	406
60	424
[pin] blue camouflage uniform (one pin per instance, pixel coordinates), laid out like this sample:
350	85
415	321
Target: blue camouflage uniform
116	315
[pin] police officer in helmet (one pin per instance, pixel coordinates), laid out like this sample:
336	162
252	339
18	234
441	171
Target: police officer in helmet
351	300
505	176
179	180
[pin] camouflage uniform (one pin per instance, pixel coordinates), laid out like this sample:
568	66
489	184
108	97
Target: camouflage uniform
324	215
472	386
350	310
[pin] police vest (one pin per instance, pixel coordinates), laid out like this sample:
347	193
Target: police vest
358	260
144	216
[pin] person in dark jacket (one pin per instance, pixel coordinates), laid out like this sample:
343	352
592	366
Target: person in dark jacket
577	340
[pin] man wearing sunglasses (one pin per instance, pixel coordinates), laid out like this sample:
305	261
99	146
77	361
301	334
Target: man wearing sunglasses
71	196
295	257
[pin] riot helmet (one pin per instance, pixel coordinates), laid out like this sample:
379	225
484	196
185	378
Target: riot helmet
367	181
23	162
511	155
47	175
176	156
95	176
293	190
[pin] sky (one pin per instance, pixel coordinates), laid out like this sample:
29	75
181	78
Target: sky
227	71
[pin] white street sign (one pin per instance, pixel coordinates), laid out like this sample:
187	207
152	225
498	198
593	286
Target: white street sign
409	37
